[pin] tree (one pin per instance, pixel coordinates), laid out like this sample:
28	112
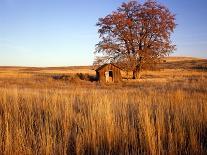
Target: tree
135	35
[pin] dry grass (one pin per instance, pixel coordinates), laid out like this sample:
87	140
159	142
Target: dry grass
41	115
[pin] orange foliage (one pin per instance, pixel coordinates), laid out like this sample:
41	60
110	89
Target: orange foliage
136	31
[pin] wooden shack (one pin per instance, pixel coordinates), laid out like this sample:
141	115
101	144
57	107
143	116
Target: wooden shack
109	73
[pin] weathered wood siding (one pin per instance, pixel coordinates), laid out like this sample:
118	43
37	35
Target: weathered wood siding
116	73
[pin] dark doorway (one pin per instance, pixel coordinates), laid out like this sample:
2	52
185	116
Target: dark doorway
110	76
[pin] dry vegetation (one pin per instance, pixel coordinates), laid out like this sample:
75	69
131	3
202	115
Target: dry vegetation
52	111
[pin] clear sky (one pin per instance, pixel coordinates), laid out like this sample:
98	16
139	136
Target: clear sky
63	32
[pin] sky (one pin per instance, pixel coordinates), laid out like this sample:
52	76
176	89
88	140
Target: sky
64	32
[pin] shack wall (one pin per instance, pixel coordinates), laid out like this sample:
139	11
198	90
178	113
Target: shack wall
116	73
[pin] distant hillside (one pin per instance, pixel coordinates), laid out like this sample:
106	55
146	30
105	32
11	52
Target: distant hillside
171	59
168	63
183	63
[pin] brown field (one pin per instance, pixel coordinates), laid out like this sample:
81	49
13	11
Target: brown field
57	110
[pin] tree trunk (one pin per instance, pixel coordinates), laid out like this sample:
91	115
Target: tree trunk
137	70
136	74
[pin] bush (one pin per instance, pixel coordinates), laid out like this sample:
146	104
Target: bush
60	77
86	77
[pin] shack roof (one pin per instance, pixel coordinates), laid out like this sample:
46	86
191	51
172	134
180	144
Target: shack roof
101	67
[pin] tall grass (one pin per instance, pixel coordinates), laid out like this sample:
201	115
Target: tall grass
154	120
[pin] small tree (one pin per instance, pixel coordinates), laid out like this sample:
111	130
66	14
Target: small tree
135	35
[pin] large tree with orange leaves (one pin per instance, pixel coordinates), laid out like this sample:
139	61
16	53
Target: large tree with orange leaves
136	35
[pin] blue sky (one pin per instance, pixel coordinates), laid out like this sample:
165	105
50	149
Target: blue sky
63	32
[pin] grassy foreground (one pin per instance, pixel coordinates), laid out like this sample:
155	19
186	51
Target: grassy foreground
163	113
168	119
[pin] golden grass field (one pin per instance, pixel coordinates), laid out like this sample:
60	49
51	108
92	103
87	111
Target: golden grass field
164	112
